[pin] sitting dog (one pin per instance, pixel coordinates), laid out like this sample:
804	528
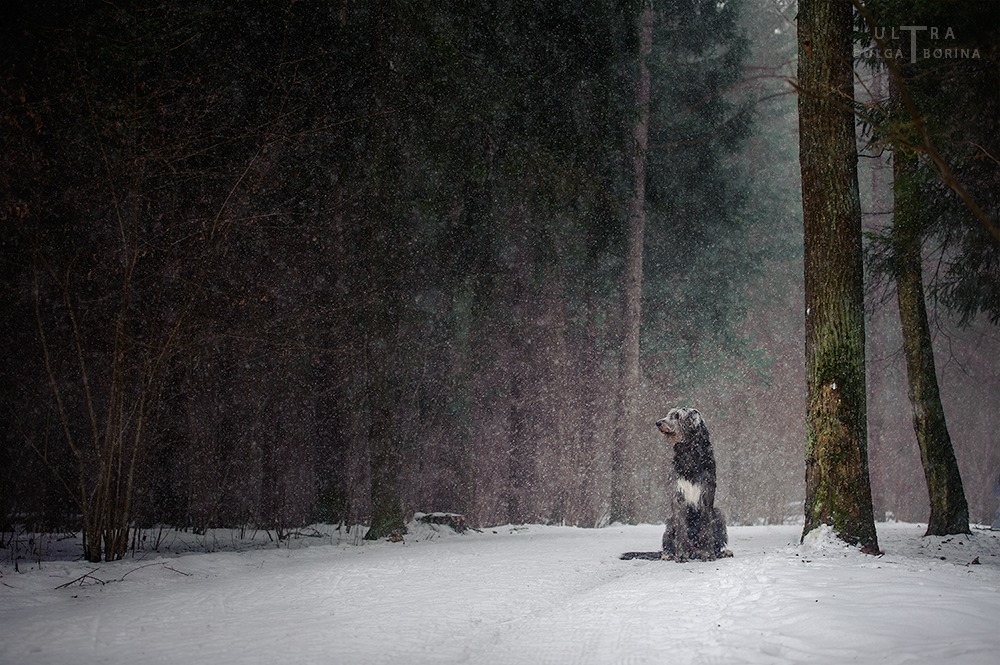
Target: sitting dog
697	529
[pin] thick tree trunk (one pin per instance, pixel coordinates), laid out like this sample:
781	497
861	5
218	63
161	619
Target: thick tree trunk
949	510
622	491
838	490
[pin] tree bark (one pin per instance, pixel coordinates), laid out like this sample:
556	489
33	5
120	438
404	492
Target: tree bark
387	517
521	341
622	492
949	509
383	308
838	490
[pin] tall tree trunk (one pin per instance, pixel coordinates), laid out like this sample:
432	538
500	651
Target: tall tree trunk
838	490
949	510
387	516
383	306
462	400
622	488
517	463
382	378
522	343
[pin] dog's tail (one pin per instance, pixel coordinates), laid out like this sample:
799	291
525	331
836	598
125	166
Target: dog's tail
721	535
646	556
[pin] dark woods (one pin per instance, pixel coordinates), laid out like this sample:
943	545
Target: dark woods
339	261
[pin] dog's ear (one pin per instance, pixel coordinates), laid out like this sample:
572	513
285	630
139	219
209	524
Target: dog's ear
693	420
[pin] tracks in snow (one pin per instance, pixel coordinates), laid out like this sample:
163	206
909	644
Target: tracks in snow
630	612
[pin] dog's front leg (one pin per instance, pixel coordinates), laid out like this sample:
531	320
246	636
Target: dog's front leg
685	516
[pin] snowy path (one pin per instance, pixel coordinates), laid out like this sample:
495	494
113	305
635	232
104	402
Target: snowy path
535	595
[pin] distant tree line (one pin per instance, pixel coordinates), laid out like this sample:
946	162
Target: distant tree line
310	261
341	261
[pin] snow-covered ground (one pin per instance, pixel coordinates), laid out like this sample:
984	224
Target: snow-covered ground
536	594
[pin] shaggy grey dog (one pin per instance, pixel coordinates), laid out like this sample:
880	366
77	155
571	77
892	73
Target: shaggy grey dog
697	529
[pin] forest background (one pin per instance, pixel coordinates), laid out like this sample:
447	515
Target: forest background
266	266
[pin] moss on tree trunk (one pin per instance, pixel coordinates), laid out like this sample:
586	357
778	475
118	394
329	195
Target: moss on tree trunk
949	511
838	490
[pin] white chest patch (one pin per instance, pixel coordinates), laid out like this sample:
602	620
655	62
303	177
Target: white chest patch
691	491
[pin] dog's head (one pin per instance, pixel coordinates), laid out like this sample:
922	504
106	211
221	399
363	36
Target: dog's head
680	424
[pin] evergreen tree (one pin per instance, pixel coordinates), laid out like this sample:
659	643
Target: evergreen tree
395	234
938	124
697	267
